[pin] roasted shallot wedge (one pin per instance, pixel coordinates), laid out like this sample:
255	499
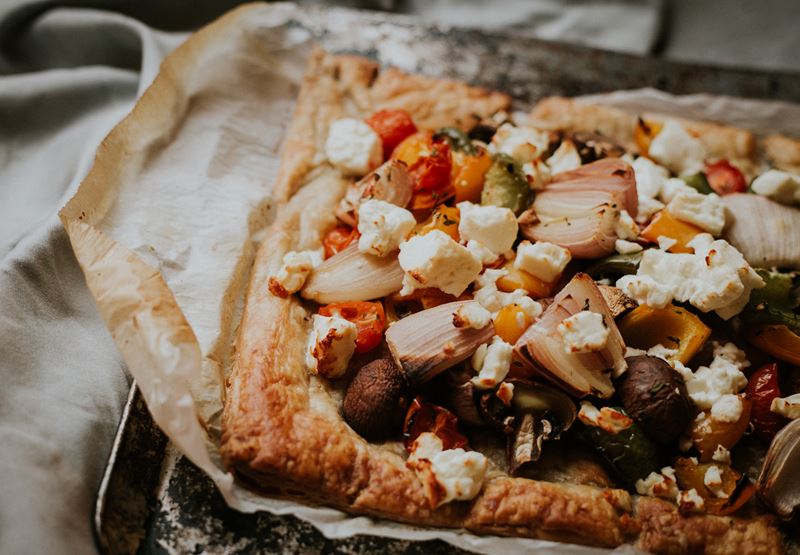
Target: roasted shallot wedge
391	183
541	348
427	343
765	232
351	275
579	210
777	484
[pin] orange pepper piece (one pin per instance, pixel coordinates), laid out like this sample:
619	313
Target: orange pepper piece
468	174
778	341
668	225
672	326
511	322
444	218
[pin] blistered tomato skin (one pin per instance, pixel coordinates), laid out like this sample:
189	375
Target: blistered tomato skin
725	178
338	238
392	126
369	318
762	388
427	417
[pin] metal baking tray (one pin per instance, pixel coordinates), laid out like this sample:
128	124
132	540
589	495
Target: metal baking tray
152	500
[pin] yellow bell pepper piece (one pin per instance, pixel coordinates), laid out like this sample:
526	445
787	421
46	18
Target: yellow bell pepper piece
444	218
672	326
520	279
511	322
667	225
778	341
468	174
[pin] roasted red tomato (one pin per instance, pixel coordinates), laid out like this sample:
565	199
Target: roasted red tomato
392	126
431	175
762	388
427	417
725	178
369	318
338	238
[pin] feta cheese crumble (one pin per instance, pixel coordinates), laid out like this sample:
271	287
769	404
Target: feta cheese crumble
294	272
721	455
383	226
330	345
537	173
606	418
778	185
523	144
659	484
492	362
788	407
665	243
494	227
565	158
447	474
677	150
492	299
625	227
353	147
480	252
705	211
583	332
627	247
716	277
715	386
472	315
435	260
712	479
690	502
543	260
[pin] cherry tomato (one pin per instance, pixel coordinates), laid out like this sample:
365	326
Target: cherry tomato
369	318
392	126
427	417
432	172
762	389
725	178
338	238
414	147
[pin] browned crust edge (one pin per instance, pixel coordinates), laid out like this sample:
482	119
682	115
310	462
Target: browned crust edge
279	435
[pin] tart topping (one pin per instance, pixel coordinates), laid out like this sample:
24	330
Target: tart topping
543	260
678	151
331	344
353	147
383	226
493	227
492	362
435	260
705	211
472	315
293	273
780	186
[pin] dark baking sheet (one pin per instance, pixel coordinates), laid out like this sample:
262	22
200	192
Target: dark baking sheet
152	500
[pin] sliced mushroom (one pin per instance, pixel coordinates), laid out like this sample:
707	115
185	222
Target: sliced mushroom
376	400
777	484
460	397
391	183
592	146
525	446
617	301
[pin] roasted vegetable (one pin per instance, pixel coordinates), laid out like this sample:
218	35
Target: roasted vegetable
644	133
733	491
444	218
368	317
469	172
592	147
778	341
482	132
725	178
514	279
698	182
666	225
392	126
707	433
673	327
762	388
511	322
376	400
427	417
777	484
777	303
338	238
505	185
654	395
626	448
759	228
459	141
615	266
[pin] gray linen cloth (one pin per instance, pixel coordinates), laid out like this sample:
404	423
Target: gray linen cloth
67	75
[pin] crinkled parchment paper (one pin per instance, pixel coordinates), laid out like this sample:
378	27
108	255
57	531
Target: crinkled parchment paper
165	225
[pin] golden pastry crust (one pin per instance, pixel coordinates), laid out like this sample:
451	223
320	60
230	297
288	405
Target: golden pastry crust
282	429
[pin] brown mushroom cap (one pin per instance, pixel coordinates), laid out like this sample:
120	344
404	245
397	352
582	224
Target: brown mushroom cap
655	396
376	400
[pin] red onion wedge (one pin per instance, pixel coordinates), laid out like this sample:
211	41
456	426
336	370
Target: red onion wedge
579	209
541	348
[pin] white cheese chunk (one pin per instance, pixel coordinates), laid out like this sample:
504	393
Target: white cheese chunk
690	501
537	173
647	207
721	455
294	271
719	382
383	226
435	260
494	227
627	247
665	243
677	150
543	260
659	484
712	479
672	187
625	227
787	406
650	177
330	345
583	332
780	186
565	158
480	252
457	475
487	294
523	144
492	364
606	418
716	277
472	315
353	147
705	211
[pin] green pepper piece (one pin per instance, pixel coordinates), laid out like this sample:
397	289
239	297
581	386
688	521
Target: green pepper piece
631	454
615	265
775	303
505	185
698	182
458	140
